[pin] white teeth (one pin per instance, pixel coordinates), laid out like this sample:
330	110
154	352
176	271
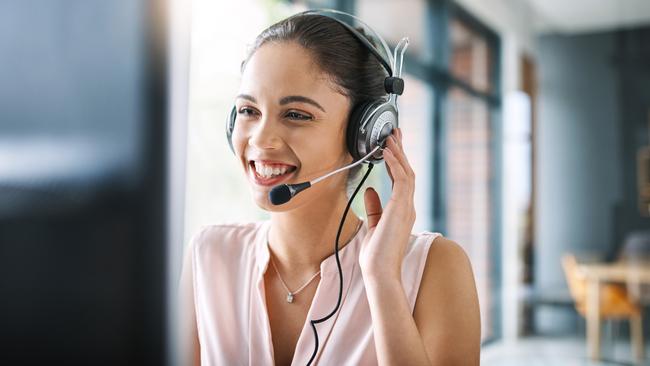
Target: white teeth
268	171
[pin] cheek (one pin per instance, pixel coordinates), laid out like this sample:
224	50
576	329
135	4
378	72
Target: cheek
240	139
321	152
237	140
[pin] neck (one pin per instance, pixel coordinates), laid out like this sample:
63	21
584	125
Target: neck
299	245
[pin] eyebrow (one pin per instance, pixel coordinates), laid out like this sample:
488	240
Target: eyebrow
301	99
287	100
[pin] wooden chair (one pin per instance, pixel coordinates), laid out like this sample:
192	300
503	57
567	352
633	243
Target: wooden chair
614	302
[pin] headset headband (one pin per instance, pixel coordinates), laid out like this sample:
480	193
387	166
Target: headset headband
393	84
336	15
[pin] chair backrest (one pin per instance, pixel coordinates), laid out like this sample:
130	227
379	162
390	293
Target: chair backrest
576	282
636	251
636	246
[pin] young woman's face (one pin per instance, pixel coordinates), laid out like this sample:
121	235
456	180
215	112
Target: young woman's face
291	124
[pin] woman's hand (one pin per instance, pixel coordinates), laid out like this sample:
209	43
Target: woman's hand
383	247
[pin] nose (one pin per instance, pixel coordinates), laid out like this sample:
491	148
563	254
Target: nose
265	134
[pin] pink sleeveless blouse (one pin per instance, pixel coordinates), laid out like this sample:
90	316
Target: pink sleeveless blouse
228	265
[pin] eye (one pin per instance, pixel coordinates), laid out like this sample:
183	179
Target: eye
298	116
247	112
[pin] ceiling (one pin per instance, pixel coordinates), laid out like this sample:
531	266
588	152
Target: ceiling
578	16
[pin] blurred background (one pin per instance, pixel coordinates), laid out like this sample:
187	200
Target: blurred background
527	123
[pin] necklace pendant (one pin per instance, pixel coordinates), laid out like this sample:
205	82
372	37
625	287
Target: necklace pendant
289	297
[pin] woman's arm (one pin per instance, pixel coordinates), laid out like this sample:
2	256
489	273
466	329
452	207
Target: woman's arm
447	310
187	317
445	328
397	339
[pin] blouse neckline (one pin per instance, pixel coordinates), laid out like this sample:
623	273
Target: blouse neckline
348	254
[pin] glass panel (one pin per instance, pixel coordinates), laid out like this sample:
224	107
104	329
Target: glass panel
470	56
377	14
468	179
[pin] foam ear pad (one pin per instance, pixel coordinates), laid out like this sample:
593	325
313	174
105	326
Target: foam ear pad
230	126
380	118
354	124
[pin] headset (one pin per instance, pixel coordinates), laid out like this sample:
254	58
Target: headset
370	122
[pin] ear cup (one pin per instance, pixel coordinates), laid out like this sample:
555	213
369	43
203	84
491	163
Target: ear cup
379	127
354	122
373	121
230	126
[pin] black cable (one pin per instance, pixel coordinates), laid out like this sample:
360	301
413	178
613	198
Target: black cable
338	264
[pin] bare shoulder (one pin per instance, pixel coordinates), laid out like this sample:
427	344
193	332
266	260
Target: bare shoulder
443	251
446	309
447	276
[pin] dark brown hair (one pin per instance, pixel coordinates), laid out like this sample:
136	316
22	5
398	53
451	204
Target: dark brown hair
338	53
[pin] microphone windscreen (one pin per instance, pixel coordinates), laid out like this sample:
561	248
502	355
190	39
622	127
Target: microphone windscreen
280	194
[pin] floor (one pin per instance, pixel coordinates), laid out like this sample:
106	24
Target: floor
559	351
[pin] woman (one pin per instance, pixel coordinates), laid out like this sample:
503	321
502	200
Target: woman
252	288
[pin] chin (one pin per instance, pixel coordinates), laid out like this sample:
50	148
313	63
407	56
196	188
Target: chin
261	199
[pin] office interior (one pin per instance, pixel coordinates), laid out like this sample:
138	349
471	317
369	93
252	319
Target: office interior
527	123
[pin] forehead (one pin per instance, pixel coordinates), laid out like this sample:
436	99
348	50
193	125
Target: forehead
278	69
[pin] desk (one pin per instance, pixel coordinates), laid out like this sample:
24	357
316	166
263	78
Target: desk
597	273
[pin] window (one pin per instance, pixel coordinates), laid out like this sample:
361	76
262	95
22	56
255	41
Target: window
468	194
471	57
470	168
377	14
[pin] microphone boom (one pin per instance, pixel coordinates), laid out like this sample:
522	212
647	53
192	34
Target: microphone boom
284	192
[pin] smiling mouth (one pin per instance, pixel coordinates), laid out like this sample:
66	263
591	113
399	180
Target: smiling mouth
270	173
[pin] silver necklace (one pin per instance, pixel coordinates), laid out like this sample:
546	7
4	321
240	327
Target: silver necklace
290	294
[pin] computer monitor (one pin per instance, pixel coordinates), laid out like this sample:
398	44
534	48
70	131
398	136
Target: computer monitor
87	236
